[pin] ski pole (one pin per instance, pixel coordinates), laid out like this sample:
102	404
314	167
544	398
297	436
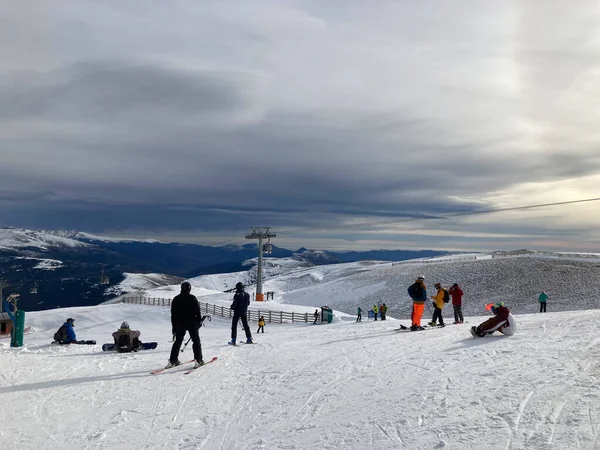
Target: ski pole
188	341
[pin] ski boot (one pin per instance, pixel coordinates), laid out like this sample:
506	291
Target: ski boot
173	364
249	341
231	342
441	325
199	363
431	324
413	328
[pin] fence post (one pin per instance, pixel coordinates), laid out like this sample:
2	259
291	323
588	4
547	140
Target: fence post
280	316
306	317
222	312
292	316
269	316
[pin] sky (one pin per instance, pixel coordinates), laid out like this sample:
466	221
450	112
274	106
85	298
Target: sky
192	121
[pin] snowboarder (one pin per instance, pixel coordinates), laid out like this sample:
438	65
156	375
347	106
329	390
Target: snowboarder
261	325
66	333
316	316
241	301
456	293
375	311
503	321
542	299
126	339
418	293
438	306
383	311
185	317
359	315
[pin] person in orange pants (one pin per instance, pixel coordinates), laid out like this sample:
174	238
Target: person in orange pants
418	293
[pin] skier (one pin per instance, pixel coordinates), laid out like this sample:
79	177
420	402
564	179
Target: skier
375	311
185	317
66	333
503	321
543	298
438	306
383	311
456	293
359	315
418	293
261	325
126	339
241	301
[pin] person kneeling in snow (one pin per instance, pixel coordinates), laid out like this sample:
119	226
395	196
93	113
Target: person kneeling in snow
503	321
126	339
66	333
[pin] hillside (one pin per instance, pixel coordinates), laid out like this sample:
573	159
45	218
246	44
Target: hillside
344	385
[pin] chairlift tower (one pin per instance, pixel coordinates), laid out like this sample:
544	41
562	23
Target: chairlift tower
261	233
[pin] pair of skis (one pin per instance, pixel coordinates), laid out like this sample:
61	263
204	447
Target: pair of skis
156	372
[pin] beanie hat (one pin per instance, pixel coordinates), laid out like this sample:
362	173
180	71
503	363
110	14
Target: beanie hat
125	325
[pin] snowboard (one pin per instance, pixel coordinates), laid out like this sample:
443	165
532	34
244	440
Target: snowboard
75	343
405	328
145	346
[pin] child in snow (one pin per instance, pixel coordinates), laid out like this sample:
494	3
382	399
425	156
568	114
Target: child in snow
126	339
261	325
438	306
503	321
66	333
543	298
375	311
456	293
359	315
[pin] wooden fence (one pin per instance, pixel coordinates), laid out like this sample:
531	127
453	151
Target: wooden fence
224	311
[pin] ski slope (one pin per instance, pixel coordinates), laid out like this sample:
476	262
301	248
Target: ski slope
344	385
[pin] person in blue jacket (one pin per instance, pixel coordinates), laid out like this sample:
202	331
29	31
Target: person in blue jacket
66	333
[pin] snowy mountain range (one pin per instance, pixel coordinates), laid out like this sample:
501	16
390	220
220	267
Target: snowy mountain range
64	268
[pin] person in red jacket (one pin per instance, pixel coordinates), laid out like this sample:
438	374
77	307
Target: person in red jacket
456	293
503	321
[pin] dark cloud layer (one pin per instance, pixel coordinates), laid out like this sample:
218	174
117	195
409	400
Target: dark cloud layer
292	117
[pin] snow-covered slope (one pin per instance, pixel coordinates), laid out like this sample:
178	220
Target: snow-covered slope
80	235
18	238
141	282
345	385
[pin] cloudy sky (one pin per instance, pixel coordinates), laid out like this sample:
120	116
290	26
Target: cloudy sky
193	120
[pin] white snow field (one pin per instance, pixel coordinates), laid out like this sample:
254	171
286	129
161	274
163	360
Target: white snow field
345	385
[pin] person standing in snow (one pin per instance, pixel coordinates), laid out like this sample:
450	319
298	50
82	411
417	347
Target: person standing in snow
66	333
359	315
418	293
261	325
383	311
316	316
456	293
241	301
438	306
185	317
126	339
375	311
503	321
542	299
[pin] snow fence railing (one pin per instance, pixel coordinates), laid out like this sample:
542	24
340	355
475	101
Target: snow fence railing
223	311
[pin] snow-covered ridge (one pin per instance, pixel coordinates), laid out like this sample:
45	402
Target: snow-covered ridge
44	263
80	235
18	238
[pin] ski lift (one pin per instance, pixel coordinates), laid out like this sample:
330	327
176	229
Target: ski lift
104	278
268	248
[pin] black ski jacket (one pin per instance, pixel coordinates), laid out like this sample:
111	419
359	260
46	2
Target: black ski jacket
185	311
241	301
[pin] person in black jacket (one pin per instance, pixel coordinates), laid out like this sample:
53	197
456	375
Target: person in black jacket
185	316
241	301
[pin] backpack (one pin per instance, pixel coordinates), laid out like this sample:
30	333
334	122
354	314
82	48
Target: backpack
415	291
124	344
61	334
446	296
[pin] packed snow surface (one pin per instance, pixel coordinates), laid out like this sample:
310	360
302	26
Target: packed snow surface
344	385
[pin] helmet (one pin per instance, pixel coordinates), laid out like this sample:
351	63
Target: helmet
495	306
239	285
125	325
186	287
421	277
71	320
438	285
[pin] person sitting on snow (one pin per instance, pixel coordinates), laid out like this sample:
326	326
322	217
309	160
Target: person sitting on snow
503	321
66	333
126	339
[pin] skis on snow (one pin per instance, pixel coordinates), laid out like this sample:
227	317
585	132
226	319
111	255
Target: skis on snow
154	372
213	359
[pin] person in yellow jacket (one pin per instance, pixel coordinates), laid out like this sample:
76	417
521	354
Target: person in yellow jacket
438	306
375	311
261	325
